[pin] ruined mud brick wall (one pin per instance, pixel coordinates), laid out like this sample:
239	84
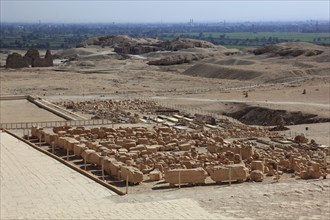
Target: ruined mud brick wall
16	60
31	58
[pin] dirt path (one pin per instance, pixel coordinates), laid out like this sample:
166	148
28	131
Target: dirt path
244	101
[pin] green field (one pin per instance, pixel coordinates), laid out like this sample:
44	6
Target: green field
304	37
239	40
251	39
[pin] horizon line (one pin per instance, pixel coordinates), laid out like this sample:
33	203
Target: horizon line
160	22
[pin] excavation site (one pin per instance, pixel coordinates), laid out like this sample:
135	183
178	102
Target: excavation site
122	127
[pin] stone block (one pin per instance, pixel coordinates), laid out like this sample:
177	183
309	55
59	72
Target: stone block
257	165
188	176
86	155
115	168
49	138
151	149
95	158
257	176
134	175
185	147
143	141
129	145
78	149
212	148
221	173
69	143
155	175
311	172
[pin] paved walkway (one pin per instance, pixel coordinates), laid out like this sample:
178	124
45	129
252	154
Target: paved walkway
34	186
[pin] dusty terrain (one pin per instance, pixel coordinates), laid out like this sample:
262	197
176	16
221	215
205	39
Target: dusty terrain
217	82
221	81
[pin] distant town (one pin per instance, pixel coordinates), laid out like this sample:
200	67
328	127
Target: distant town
229	34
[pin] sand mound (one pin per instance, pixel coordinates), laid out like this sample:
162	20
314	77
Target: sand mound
324	58
291	50
221	72
114	40
233	61
72	53
90	53
177	59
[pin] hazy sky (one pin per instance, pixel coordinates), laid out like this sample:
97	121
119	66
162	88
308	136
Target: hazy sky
161	11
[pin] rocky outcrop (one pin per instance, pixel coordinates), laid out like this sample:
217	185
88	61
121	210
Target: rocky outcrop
135	49
254	115
123	44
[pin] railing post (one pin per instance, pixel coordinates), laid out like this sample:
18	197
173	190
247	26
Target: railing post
179	179
53	147
127	184
67	154
102	167
40	140
277	175
229	176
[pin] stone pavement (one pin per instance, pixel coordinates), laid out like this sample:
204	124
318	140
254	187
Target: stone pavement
35	186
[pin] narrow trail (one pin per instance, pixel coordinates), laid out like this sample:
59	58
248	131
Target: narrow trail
243	101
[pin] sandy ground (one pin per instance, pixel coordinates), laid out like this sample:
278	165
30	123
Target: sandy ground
289	199
14	111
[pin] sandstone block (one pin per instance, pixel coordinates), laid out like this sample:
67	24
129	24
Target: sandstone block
134	175
78	149
257	175
212	148
86	155
221	173
257	165
151	149
185	147
311	172
143	141
138	148
155	175
115	168
188	176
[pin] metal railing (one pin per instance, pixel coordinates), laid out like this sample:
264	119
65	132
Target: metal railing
50	124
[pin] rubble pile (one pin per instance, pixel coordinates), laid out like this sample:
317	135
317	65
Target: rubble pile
130	111
118	111
181	156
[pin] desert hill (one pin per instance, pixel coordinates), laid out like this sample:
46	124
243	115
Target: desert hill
157	52
284	62
271	64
